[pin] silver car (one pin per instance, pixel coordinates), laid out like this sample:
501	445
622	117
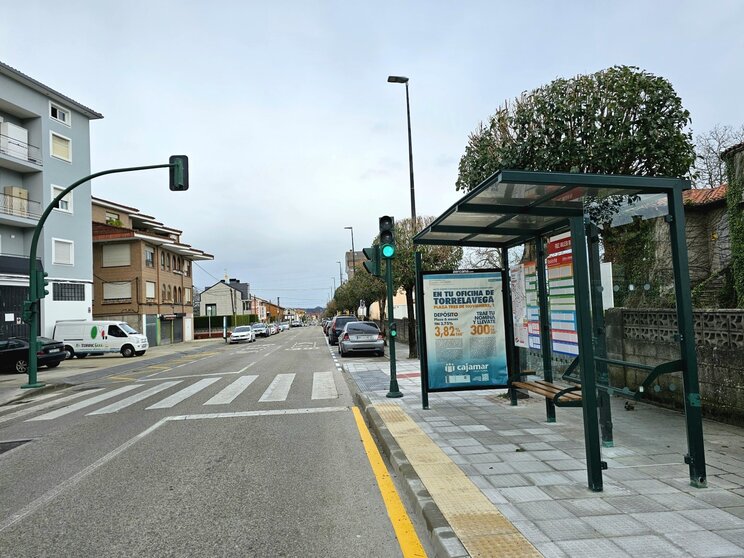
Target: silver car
361	337
242	333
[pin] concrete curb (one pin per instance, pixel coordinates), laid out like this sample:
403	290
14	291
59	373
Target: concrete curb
24	393
442	537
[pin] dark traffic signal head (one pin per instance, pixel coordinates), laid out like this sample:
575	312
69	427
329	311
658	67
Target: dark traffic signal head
387	238
372	265
41	284
179	172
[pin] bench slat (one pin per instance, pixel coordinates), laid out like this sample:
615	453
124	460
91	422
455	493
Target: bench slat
547	389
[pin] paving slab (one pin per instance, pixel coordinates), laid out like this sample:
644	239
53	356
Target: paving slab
534	473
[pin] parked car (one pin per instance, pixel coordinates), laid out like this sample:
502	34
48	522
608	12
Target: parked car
242	334
14	354
260	330
284	326
361	337
274	328
337	326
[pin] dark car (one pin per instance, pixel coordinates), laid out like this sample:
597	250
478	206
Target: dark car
14	354
337	326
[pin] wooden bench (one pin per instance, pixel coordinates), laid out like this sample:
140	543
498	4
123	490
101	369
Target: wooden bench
560	395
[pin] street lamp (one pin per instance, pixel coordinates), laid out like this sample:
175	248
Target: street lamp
401	79
340	275
353	257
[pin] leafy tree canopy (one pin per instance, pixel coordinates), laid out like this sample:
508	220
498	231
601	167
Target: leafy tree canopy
621	120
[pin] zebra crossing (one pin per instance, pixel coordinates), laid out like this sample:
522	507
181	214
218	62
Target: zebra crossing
323	388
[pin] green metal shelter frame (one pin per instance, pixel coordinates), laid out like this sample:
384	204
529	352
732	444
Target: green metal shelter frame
513	207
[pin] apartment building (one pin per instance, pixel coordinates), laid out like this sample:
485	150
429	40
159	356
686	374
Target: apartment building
142	273
44	147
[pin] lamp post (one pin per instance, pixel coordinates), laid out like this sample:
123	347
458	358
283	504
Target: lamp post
401	79
353	257
334	284
340	274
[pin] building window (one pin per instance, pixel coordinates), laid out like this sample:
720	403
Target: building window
149	289
170	294
149	257
167	262
59	114
119	291
116	255
68	291
65	204
162	295
186	269
211	309
61	147
187	295
63	252
162	260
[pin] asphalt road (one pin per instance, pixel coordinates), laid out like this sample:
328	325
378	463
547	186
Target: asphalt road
245	450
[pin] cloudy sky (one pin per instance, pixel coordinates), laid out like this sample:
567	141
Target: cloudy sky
290	125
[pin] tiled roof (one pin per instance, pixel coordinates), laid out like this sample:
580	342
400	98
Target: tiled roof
733	149
704	196
102	231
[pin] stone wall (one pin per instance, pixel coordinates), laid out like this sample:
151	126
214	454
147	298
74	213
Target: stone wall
648	337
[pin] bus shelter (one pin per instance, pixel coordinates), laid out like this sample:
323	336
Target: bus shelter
514	208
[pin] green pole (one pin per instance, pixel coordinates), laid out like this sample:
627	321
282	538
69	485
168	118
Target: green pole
394	391
695	457
34	296
586	354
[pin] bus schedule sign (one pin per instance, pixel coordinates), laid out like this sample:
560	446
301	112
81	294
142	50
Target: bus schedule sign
464	330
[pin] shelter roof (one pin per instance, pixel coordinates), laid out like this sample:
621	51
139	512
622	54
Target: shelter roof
511	206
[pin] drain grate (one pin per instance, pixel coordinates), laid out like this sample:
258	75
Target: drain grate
7	446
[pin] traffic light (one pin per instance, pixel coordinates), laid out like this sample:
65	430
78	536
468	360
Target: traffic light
393	330
372	265
387	239
28	309
179	172
41	284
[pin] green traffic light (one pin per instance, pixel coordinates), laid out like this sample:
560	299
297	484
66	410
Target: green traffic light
388	250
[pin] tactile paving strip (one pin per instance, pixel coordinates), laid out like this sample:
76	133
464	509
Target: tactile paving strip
481	528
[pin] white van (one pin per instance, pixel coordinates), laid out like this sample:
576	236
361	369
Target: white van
82	337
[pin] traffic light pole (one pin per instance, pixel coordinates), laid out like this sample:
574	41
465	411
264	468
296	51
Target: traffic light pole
394	390
36	292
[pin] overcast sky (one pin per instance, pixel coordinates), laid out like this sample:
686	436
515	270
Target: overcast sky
292	130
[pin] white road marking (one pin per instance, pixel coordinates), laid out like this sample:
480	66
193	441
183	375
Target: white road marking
184	394
28	411
82	404
279	388
186	376
324	386
114	407
228	394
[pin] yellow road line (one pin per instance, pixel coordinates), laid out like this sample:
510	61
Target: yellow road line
410	545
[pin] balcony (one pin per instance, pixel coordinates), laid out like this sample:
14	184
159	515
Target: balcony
19	156
13	264
19	211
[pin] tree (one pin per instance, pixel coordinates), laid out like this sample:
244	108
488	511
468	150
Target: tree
433	258
710	171
621	120
361	286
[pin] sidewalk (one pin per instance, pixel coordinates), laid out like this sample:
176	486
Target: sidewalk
490	479
72	371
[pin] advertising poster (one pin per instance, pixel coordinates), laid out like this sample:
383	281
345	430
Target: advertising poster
533	305
464	320
519	305
561	296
